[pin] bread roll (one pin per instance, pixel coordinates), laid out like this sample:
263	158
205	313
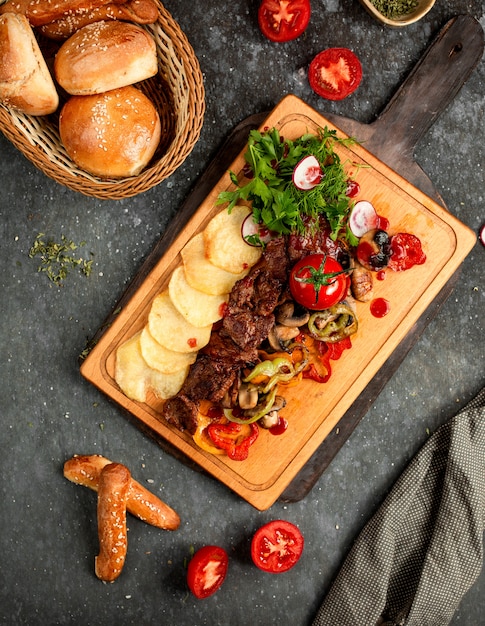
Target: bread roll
110	135
25	80
104	56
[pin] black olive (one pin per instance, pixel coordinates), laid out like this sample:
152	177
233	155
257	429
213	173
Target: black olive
381	238
379	260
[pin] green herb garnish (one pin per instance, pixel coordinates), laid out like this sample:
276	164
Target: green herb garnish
57	259
276	201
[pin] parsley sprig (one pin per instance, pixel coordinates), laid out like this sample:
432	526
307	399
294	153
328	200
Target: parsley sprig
268	184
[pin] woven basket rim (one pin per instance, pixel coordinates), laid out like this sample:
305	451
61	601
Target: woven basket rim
38	137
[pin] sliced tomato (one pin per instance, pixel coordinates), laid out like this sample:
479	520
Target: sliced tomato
283	20
207	570
335	73
406	251
277	546
318	281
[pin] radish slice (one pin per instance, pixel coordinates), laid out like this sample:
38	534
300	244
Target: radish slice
363	218
255	234
307	173
482	234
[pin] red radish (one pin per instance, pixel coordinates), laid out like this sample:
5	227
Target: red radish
363	218
307	173
482	234
255	234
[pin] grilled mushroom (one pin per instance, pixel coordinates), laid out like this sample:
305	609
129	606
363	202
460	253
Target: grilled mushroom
292	315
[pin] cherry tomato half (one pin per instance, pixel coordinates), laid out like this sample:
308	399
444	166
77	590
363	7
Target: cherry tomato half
277	546
207	570
283	20
318	281
335	73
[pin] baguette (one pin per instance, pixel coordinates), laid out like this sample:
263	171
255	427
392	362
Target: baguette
137	11
86	470
113	489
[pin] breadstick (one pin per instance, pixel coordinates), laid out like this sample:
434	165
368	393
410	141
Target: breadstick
41	12
86	470
114	485
136	11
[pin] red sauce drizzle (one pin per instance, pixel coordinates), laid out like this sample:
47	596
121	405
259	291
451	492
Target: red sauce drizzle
382	223
381	275
223	308
192	342
215	412
380	307
364	252
280	427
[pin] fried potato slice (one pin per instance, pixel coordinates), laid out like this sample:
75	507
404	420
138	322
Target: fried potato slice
224	245
135	378
160	358
199	309
170	328
165	386
131	371
203	275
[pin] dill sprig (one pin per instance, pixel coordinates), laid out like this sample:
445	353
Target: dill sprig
57	260
276	202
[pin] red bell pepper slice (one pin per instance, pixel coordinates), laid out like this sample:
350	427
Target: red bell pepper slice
235	439
327	352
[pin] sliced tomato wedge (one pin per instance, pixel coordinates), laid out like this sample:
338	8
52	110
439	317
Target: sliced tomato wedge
283	20
406	251
277	546
335	73
207	570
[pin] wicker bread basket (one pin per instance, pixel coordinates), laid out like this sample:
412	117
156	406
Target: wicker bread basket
178	94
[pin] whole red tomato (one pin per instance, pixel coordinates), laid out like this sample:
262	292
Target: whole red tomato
318	281
207	570
283	20
277	546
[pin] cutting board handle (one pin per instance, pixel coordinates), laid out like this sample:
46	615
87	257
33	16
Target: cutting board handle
430	87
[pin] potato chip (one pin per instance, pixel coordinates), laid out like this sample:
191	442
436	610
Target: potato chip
135	378
170	328
166	386
160	358
203	275
224	244
131	370
199	308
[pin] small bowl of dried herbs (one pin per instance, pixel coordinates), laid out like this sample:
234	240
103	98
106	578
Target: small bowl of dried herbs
398	13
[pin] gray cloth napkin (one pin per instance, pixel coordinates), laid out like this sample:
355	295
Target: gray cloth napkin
423	549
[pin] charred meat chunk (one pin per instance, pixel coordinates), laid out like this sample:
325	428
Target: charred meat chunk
182	413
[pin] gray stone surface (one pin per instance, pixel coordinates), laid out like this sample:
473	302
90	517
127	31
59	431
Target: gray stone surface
48	412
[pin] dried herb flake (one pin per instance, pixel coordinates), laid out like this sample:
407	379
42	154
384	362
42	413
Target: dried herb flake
394	9
57	259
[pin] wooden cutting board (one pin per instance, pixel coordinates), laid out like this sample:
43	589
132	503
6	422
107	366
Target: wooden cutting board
314	410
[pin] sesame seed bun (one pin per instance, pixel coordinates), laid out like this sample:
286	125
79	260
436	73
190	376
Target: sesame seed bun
110	135
104	56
